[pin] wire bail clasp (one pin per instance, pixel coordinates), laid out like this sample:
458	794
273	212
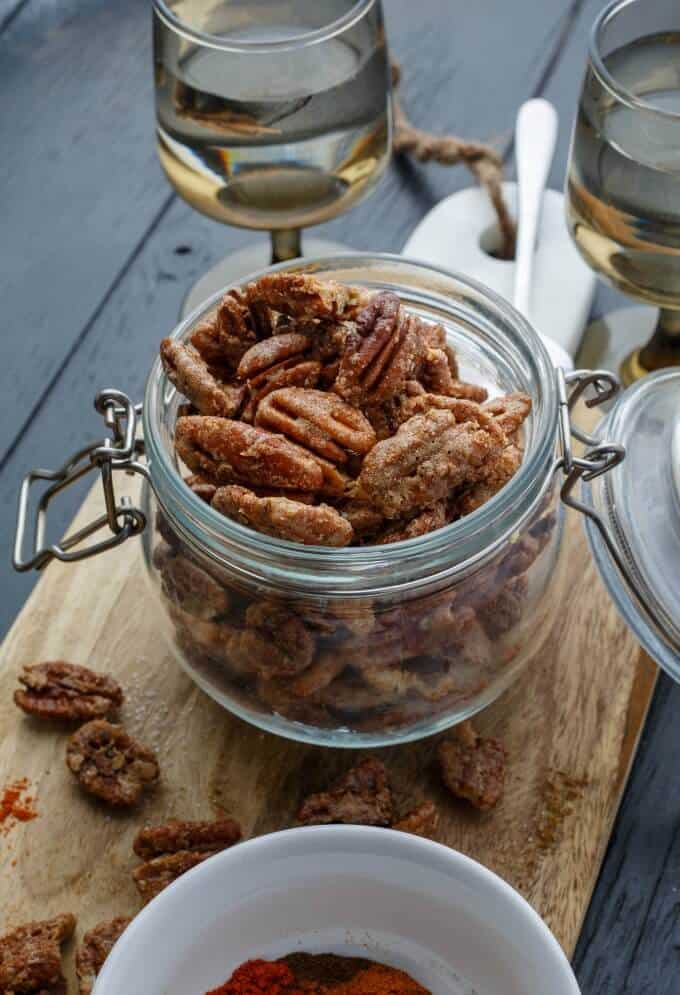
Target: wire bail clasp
119	451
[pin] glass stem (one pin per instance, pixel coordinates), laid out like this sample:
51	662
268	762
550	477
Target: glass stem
286	244
663	349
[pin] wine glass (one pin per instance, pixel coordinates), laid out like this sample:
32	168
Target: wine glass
623	186
272	116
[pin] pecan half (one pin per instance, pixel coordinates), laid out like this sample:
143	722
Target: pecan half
277	362
361	797
206	339
312	525
496	476
227	451
321	422
509	411
472	767
188	371
421	821
504	611
155	875
66	691
192	588
240	324
428	457
382	355
305	296
95	947
176	835
275	642
30	958
202	488
426	521
110	764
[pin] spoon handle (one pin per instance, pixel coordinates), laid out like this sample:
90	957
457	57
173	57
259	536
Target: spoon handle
535	136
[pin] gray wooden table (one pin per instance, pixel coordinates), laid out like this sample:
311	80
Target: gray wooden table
96	253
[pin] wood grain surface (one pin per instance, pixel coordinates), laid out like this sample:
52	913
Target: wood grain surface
571	725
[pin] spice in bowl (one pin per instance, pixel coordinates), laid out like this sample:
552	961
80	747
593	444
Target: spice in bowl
318	974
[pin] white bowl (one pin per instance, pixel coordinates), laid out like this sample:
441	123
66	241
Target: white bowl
454	926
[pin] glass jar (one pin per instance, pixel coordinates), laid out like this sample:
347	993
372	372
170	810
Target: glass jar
371	645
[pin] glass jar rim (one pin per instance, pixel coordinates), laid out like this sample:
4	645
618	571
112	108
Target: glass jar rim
513	504
226	43
622	94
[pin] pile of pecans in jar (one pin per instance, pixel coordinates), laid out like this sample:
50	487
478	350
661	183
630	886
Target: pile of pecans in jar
328	415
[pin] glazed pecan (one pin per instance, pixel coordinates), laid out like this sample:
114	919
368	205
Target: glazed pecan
463	408
321	422
95	947
30	958
362	796
496	476
110	764
205	338
275	642
305	296
66	691
509	411
504	611
154	875
364	518
227	452
192	588
472	767
382	355
202	488
176	835
429	456
240	323
188	371
438	373
270	353
427	521
312	525
421	821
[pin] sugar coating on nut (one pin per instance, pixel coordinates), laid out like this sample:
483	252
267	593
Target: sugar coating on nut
111	764
473	767
95	947
66	691
30	957
177	834
362	796
420	821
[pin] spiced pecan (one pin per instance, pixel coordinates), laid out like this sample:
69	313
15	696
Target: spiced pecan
227	451
420	821
154	875
110	764
428	520
473	767
205	338
270	353
201	487
30	957
362	796
321	422
66	691
363	517
436	373
240	323
304	296
191	587
312	525
95	947
275	642
496	476
176	835
429	456
504	611
382	355
188	371
509	411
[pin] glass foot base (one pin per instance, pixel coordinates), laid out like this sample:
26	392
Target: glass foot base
241	264
614	341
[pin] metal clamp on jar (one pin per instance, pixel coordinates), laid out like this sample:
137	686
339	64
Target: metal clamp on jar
362	645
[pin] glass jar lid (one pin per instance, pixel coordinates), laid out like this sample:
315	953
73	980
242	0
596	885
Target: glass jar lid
638	502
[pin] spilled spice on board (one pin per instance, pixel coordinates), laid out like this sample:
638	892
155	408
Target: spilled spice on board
17	804
559	792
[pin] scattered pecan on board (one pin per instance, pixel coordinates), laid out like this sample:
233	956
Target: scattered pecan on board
111	764
66	691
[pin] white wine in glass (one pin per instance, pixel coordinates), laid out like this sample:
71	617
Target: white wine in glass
272	116
623	189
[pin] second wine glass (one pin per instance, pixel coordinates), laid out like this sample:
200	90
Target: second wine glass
271	116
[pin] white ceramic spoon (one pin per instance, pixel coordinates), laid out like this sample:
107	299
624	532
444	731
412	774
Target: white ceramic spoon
535	137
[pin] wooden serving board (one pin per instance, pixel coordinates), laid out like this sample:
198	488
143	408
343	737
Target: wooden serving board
571	725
